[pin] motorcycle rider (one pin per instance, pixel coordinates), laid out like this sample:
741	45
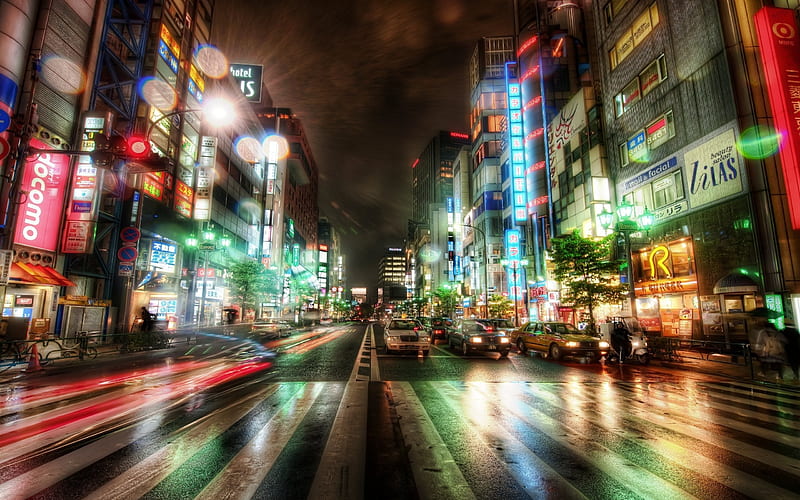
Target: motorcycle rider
621	340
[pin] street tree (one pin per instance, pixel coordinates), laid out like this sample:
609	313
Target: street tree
448	300
500	306
250	282
586	271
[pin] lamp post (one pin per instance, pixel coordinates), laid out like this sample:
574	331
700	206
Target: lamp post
627	223
485	270
206	245
514	264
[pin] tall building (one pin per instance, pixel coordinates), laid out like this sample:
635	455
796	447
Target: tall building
431	237
483	220
391	278
297	211
680	105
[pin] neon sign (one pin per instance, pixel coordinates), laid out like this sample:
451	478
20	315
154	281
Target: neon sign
516	141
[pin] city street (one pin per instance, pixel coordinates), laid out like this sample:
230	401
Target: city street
323	414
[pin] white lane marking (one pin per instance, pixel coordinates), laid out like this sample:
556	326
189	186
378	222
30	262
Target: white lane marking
375	371
435	471
341	471
241	478
181	446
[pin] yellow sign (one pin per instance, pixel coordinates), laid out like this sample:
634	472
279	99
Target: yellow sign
655	264
676	285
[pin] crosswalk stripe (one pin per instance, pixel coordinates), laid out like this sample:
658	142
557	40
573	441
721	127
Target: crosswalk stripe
435	472
733	478
637	479
242	476
145	475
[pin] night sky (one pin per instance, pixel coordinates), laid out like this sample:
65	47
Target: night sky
372	81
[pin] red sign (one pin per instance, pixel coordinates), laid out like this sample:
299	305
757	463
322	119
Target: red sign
778	37
39	214
184	195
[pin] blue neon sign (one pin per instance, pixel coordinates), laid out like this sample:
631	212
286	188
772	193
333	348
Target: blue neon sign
516	141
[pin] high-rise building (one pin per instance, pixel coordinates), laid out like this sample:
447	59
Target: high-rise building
431	237
391	277
483	218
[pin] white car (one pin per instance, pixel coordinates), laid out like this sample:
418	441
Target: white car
406	335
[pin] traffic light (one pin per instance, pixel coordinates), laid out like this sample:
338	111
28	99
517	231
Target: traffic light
138	148
135	151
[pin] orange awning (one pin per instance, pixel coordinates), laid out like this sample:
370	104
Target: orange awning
37	275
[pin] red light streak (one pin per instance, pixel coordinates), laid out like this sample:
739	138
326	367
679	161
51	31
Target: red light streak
533	102
529	73
414	165
527	44
534	134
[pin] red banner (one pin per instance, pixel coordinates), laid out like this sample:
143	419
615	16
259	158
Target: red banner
780	44
39	214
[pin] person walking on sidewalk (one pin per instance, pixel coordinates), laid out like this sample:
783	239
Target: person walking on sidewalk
792	337
147	320
770	348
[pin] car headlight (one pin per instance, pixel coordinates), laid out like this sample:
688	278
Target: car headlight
504	340
475	340
572	343
425	338
635	343
603	344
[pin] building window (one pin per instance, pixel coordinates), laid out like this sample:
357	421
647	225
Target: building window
650	78
623	154
634	35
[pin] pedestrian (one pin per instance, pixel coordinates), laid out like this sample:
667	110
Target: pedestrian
769	348
792	345
621	340
147	320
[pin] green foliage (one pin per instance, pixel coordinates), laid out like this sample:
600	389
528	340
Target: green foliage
448	300
500	306
249	282
586	272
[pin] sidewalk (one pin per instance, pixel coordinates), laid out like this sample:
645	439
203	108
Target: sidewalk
724	366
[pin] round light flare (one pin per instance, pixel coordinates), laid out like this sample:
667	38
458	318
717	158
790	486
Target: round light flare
429	254
63	75
158	93
759	142
211	61
249	149
275	148
218	112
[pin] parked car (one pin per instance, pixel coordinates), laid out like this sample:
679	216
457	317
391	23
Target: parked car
406	335
440	328
270	329
479	335
558	340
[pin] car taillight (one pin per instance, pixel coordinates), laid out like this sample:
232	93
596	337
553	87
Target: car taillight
489	329
416	328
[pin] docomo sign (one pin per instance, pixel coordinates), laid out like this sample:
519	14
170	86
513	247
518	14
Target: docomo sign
44	184
780	43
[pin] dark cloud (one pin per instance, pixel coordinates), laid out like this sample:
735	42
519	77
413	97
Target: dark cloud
373	81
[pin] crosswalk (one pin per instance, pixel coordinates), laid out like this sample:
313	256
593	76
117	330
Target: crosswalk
139	439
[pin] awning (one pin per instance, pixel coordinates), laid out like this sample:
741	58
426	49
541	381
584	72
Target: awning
38	275
735	283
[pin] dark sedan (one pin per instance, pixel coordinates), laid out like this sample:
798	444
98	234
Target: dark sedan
479	335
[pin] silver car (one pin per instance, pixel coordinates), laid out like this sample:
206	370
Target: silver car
406	335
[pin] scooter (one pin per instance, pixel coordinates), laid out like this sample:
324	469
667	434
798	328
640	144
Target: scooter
637	346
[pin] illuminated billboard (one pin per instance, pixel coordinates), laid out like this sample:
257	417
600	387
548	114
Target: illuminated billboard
778	37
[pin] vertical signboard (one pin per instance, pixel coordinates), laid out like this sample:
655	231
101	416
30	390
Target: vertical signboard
84	196
513	254
780	43
44	181
249	78
516	142
204	183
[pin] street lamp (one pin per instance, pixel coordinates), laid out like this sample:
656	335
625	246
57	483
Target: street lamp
206	245
485	270
626	224
514	264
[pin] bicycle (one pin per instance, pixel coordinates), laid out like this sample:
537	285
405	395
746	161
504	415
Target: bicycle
16	352
79	350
